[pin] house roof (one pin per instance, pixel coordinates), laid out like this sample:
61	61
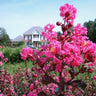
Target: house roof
34	29
17	39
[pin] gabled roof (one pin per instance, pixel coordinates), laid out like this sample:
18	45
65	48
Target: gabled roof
18	38
34	29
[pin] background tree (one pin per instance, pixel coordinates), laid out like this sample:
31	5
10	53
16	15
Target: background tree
91	28
4	38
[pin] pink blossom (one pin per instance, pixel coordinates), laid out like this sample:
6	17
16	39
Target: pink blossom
5	59
1	63
90	70
28	70
80	30
1	55
65	33
67	79
92	64
72	55
78	93
70	87
46	67
1	95
68	12
11	81
23	95
27	53
89	51
65	67
57	79
94	77
79	35
58	67
31	86
32	94
36	81
52	89
48	33
0	46
49	27
57	63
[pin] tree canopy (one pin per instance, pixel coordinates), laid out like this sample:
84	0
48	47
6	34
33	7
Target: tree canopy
4	38
91	28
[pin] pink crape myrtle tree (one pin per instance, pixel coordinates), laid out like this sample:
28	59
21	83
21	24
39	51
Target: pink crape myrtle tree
57	64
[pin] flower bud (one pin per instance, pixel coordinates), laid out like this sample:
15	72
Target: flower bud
33	68
90	70
70	25
69	39
58	23
64	28
67	14
35	75
62	37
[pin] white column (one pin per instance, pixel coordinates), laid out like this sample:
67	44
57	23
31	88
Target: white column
39	37
32	37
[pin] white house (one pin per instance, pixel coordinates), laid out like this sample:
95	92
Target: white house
34	35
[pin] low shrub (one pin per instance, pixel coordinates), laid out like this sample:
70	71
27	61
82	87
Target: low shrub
13	54
20	43
7	51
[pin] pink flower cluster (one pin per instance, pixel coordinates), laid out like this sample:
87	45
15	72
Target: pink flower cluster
89	51
27	53
71	49
72	55
68	12
80	30
79	35
48	33
94	77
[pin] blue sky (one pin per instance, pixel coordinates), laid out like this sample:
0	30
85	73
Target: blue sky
17	16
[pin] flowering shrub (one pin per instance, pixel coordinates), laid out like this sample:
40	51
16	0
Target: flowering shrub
72	50
57	64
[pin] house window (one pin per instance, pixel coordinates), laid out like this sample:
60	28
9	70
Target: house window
25	37
35	36
30	37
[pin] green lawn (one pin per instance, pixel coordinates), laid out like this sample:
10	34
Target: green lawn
13	67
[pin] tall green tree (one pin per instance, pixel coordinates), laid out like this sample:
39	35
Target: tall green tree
4	38
91	28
